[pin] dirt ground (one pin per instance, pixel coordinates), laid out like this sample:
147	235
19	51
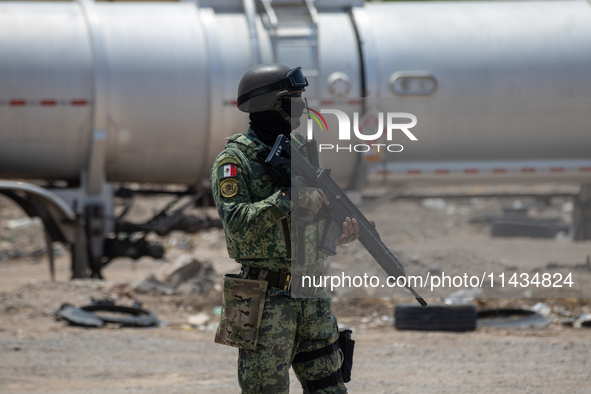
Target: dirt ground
41	355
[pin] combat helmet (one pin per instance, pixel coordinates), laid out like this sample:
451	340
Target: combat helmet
261	86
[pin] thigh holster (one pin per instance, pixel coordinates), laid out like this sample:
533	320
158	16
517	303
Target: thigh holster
342	375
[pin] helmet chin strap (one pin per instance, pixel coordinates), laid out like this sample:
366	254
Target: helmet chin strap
279	106
295	123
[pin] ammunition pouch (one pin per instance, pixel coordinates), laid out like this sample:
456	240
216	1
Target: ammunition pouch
343	375
243	302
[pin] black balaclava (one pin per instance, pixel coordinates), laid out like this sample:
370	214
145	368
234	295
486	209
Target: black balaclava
268	125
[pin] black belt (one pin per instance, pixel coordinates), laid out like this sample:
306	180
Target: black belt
281	279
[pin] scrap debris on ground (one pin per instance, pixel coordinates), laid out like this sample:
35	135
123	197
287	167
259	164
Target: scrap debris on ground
184	291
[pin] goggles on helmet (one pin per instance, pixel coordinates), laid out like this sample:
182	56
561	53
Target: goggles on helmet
294	79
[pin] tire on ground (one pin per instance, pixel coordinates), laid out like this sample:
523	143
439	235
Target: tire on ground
127	316
457	318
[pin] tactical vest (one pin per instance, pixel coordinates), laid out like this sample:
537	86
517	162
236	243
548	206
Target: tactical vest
275	242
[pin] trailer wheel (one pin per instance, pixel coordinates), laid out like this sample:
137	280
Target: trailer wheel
457	318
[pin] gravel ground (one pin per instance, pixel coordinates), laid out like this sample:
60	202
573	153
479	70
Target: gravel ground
167	360
41	355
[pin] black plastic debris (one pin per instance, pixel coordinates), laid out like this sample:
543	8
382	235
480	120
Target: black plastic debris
505	318
586	266
515	222
527	227
102	312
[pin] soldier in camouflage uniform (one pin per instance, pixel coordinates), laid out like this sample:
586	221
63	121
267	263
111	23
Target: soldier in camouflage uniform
255	209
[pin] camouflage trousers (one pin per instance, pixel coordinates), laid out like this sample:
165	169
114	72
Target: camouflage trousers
290	326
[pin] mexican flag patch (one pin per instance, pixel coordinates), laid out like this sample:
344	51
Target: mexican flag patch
227	171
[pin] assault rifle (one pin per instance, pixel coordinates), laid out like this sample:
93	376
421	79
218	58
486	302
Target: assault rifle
340	207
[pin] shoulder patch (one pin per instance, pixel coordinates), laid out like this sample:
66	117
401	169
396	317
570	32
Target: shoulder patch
229	187
228	160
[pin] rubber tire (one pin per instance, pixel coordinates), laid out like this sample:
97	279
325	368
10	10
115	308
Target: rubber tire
78	317
435	317
137	317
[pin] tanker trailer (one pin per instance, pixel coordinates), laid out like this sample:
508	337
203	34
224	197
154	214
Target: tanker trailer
93	95
501	91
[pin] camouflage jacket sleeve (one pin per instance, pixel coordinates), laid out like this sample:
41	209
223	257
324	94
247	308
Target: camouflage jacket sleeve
244	212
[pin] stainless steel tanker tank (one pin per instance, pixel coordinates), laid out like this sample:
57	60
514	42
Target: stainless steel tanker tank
100	93
500	89
147	66
160	80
